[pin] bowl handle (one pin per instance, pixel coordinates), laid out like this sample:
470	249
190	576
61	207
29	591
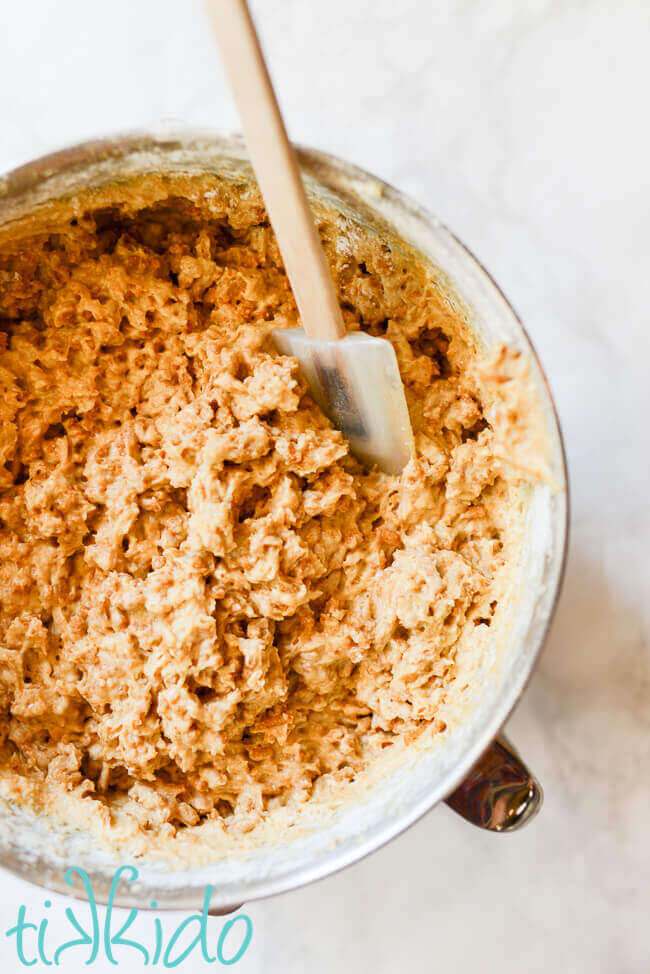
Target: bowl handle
499	793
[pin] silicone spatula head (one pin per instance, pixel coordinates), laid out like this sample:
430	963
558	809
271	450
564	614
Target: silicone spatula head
356	382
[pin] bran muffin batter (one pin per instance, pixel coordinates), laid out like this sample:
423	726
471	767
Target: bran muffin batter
208	608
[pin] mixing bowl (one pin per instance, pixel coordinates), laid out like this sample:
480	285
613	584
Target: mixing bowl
479	774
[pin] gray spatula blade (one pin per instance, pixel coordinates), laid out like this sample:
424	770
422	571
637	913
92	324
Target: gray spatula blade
356	382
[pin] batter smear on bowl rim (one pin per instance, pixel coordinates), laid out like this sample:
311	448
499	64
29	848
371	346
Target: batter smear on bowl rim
208	608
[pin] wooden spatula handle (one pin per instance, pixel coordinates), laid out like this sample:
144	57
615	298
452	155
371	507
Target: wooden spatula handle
276	169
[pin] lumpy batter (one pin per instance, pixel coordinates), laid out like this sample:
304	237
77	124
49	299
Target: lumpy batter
208	608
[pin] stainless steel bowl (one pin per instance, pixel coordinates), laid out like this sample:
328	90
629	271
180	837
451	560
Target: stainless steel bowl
480	777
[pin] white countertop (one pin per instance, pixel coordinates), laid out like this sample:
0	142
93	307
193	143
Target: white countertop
524	126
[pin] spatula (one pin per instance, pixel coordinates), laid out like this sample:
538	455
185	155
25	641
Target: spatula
353	377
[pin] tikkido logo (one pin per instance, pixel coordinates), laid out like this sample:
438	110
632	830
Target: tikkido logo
34	945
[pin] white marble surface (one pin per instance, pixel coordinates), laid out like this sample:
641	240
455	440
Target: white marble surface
523	124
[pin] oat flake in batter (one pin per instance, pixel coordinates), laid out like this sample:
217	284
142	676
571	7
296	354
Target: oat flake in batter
208	608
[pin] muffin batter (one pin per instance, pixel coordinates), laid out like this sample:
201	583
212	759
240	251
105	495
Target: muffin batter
208	608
